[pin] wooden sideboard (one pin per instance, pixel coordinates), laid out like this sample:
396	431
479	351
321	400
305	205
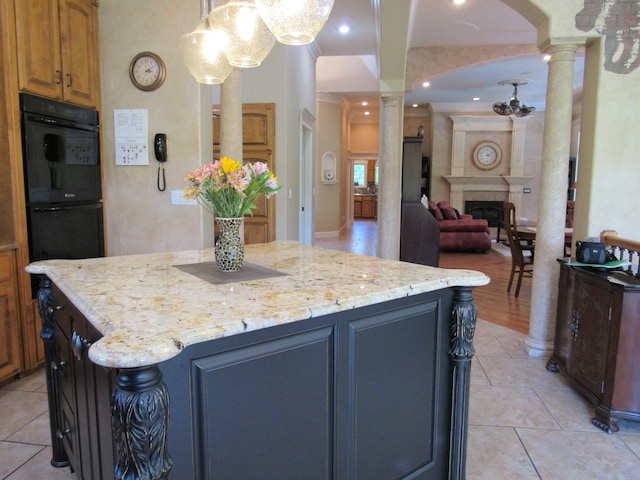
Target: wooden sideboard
597	342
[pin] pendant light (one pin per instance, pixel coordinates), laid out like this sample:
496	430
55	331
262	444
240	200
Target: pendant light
203	50
295	22
249	40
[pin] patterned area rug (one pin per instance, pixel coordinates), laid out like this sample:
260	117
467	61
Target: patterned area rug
502	249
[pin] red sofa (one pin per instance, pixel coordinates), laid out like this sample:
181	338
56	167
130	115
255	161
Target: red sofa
460	232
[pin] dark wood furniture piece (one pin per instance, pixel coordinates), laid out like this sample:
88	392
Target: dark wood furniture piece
519	244
376	390
597	342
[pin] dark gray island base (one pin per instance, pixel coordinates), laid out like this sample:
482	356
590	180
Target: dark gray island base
340	367
379	392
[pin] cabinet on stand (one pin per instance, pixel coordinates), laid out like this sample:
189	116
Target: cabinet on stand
597	341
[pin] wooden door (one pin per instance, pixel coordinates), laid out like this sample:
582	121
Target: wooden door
79	47
38	34
258	145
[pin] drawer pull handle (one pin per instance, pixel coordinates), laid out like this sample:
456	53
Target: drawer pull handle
55	366
61	433
79	345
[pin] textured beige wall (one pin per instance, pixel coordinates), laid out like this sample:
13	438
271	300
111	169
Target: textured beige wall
327	206
139	217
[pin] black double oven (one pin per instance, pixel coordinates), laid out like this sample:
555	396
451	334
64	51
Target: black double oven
63	184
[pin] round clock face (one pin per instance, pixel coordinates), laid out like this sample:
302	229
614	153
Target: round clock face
147	71
487	155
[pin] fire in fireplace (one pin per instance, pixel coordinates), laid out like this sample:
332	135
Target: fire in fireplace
491	211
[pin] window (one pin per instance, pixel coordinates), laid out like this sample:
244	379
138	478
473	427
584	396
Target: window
360	174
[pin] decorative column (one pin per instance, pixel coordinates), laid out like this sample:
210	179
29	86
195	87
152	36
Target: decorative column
231	116
553	200
390	171
464	316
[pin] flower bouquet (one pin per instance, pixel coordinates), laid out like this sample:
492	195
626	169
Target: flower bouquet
228	190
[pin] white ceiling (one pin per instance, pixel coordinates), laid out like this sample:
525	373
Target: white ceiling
348	65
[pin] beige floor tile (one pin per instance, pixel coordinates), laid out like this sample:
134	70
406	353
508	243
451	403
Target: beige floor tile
19	408
560	455
495	453
520	372
12	455
35	432
484	328
478	377
488	346
39	467
508	407
30	383
570	409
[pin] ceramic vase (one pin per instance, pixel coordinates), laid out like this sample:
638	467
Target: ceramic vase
229	247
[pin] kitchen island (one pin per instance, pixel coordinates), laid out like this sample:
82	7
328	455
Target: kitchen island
308	363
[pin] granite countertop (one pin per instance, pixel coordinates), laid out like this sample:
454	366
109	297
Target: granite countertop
149	310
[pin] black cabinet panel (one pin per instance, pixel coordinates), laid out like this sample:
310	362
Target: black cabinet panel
264	411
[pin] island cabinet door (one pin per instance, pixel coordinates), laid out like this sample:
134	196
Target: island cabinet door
361	394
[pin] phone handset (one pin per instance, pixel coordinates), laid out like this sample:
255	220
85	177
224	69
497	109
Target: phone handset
160	150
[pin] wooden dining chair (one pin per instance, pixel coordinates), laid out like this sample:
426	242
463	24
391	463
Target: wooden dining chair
521	263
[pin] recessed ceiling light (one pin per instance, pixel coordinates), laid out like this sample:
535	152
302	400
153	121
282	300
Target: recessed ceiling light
426	84
344	29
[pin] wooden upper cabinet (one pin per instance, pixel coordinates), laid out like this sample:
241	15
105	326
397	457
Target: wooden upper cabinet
57	44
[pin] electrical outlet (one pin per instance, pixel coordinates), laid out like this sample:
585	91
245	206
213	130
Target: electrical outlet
177	198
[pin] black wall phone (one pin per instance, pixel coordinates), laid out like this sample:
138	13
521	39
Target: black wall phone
160	149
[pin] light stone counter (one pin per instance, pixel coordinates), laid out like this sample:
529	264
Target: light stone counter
149	311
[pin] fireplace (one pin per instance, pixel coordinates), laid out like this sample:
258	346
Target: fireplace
491	211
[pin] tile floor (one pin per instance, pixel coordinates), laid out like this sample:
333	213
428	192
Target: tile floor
525	423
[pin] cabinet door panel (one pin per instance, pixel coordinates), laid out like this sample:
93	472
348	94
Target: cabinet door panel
590	347
276	398
38	33
79	52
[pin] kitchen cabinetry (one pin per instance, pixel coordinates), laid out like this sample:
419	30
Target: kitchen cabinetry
79	405
57	42
365	206
597	342
9	324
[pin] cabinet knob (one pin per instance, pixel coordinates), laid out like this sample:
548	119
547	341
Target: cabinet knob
61	433
55	366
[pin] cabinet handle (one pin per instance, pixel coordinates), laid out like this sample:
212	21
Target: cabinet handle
59	74
52	309
574	325
55	366
70	79
61	433
79	345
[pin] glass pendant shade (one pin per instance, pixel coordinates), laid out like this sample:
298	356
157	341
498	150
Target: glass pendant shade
249	40
203	53
295	22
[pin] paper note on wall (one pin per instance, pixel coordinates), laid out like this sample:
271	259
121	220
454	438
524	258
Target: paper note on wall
131	128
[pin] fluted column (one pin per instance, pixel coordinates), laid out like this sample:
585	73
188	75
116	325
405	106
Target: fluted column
390	174
231	116
553	199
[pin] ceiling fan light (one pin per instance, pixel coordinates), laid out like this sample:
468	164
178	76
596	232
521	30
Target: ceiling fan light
203	54
295	22
249	39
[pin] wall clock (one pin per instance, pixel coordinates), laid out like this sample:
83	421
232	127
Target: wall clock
147	71
487	155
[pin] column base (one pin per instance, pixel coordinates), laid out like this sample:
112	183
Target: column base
536	348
